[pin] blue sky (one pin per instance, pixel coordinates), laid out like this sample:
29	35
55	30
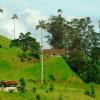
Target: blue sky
30	11
72	7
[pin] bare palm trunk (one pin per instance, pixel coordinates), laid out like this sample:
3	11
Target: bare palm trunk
42	64
14	28
67	51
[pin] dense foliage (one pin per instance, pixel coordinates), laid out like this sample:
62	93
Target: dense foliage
82	44
57	29
27	44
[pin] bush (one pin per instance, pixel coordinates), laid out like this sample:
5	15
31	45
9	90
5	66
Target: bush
51	88
47	91
52	77
36	56
84	67
30	99
0	46
87	92
22	85
11	91
22	57
92	91
28	56
60	98
38	97
34	89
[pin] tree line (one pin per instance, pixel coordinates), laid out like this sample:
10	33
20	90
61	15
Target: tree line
78	36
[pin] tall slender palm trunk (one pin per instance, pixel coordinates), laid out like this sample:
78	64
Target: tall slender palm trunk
67	51
42	64
14	29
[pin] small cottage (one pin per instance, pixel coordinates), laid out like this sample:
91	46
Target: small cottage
54	52
8	86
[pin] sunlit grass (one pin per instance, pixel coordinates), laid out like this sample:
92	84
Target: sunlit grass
67	84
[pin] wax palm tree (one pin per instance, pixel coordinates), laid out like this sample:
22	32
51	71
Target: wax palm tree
59	12
41	26
1	10
14	18
99	25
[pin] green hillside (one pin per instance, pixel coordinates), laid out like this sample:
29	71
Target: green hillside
53	66
4	41
66	82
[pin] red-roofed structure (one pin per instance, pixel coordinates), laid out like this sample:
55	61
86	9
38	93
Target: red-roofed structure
55	52
8	86
9	83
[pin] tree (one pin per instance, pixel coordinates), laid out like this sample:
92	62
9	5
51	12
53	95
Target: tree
41	26
59	12
1	10
57	29
85	47
22	85
78	36
26	42
14	43
82	36
14	18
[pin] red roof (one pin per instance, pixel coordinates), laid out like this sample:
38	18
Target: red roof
9	83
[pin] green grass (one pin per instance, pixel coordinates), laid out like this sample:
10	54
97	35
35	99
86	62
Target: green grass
44	96
10	62
4	41
67	84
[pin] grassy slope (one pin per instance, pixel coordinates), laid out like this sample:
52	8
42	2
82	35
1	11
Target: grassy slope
9	62
4	41
12	69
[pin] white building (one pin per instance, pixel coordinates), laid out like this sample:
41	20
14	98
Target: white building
8	86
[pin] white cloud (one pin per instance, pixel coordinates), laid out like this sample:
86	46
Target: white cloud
33	16
26	22
6	24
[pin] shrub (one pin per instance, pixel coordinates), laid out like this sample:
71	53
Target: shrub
22	85
30	99
34	89
36	56
51	88
0	46
22	57
38	97
87	92
60	98
11	91
92	91
28	56
47	91
52	77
